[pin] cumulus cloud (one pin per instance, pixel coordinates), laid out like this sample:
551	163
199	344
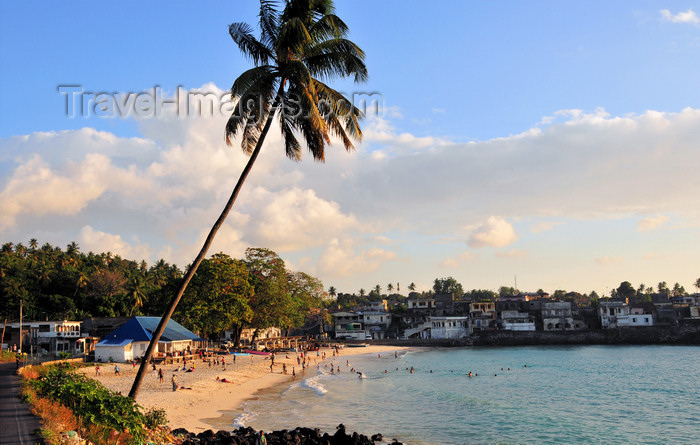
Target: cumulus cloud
91	240
495	232
342	258
651	223
688	16
357	212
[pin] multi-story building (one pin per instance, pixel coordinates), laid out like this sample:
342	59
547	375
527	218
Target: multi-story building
449	327
556	316
609	312
47	337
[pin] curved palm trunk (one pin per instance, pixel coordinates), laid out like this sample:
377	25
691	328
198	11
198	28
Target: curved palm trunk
143	369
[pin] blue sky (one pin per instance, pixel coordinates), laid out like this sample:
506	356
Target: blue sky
555	141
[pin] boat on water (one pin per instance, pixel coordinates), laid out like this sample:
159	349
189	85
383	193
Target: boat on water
356	345
240	353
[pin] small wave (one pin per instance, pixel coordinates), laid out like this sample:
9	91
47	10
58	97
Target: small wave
314	384
243	419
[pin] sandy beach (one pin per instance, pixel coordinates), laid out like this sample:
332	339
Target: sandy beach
200	408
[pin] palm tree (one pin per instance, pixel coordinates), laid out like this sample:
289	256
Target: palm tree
298	46
332	291
697	284
412	287
389	288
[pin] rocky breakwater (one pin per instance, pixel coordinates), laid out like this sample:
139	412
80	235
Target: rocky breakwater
298	436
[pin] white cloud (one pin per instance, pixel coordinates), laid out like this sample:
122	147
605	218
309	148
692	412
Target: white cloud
688	16
91	240
341	258
294	219
495	232
167	187
651	223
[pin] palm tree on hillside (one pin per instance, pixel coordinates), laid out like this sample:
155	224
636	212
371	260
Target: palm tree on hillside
299	48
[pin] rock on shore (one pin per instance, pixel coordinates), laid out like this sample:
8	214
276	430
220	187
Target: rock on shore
298	436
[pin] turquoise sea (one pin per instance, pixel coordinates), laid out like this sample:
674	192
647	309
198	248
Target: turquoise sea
550	395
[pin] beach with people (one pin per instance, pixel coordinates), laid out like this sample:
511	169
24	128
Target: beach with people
195	400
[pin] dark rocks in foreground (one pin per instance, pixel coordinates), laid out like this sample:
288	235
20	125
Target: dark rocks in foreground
298	436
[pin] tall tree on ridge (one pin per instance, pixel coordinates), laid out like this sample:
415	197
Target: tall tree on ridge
298	46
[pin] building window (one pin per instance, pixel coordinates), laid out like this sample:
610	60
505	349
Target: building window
44	328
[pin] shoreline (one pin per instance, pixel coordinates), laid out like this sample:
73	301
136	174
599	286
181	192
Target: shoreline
210	403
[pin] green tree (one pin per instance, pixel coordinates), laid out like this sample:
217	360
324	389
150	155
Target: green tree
332	292
306	293
482	295
679	290
412	287
697	284
663	288
297	46
506	291
270	302
559	294
448	286
218	297
626	290
389	288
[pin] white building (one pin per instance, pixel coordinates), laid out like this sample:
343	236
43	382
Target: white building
635	320
449	327
131	340
49	337
610	311
516	321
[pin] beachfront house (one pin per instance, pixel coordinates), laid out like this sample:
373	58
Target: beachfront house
557	316
349	326
514	320
376	323
443	328
46	337
131	339
610	311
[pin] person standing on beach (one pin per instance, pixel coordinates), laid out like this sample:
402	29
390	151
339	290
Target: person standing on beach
116	370
160	375
175	385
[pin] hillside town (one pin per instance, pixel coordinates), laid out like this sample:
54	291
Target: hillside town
442	316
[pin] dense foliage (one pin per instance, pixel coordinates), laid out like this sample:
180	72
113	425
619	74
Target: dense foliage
94	404
53	283
225	293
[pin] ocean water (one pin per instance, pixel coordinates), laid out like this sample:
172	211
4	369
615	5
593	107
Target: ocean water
550	395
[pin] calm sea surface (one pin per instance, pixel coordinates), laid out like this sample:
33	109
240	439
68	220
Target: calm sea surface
577	394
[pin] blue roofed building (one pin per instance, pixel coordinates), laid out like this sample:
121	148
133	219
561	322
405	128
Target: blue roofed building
131	339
